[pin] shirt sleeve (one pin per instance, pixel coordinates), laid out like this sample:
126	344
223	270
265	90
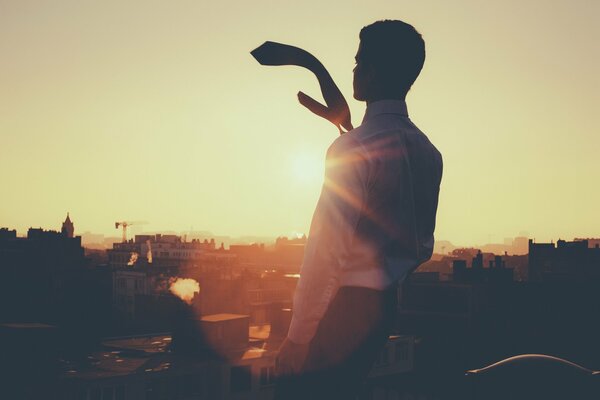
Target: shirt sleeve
331	233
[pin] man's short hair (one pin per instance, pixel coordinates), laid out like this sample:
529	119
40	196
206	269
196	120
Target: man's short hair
395	50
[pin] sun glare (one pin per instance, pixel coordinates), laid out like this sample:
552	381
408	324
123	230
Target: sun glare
307	168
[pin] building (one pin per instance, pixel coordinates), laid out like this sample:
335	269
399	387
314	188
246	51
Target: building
285	256
43	269
593	243
573	261
166	250
496	272
227	364
129	283
268	290
67	228
142	290
231	361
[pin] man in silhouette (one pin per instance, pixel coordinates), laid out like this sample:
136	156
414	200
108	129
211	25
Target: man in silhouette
373	225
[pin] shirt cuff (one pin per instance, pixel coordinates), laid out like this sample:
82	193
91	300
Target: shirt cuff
301	332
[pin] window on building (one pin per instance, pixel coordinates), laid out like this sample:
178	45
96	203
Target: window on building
213	383
382	360
80	394
401	350
172	388
241	379
120	393
156	389
107	393
260	316
95	394
191	386
267	376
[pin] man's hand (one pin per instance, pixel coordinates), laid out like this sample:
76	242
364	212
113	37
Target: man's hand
337	113
336	109
291	358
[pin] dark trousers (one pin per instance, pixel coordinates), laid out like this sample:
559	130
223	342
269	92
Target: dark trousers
348	340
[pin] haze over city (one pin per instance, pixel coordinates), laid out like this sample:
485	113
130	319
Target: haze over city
157	112
181	220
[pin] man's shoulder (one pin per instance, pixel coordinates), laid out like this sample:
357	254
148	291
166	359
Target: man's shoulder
347	142
428	144
370	137
355	139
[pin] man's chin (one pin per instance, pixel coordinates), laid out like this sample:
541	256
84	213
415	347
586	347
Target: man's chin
358	96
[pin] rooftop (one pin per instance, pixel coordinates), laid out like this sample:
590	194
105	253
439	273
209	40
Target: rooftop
222	317
148	354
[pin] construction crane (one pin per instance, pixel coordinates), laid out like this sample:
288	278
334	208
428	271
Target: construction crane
125	224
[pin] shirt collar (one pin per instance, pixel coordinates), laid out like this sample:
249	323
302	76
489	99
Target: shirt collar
385	107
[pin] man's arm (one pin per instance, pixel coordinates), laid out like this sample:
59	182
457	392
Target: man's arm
336	109
332	230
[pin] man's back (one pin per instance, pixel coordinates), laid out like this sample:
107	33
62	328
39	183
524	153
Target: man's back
375	217
394	231
372	226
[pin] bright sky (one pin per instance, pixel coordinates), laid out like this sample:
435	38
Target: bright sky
155	111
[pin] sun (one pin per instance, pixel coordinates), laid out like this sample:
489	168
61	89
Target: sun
307	168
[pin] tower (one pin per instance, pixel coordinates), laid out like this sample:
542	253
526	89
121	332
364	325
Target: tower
67	227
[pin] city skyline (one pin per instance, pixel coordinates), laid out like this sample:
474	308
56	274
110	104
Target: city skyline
96	241
140	228
162	315
131	112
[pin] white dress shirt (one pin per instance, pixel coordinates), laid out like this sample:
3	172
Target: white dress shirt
375	218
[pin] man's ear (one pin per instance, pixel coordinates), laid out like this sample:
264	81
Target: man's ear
371	81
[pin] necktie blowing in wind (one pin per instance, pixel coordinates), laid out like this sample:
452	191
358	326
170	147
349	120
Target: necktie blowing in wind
336	109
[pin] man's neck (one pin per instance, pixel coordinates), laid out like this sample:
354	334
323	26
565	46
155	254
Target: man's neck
384	97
